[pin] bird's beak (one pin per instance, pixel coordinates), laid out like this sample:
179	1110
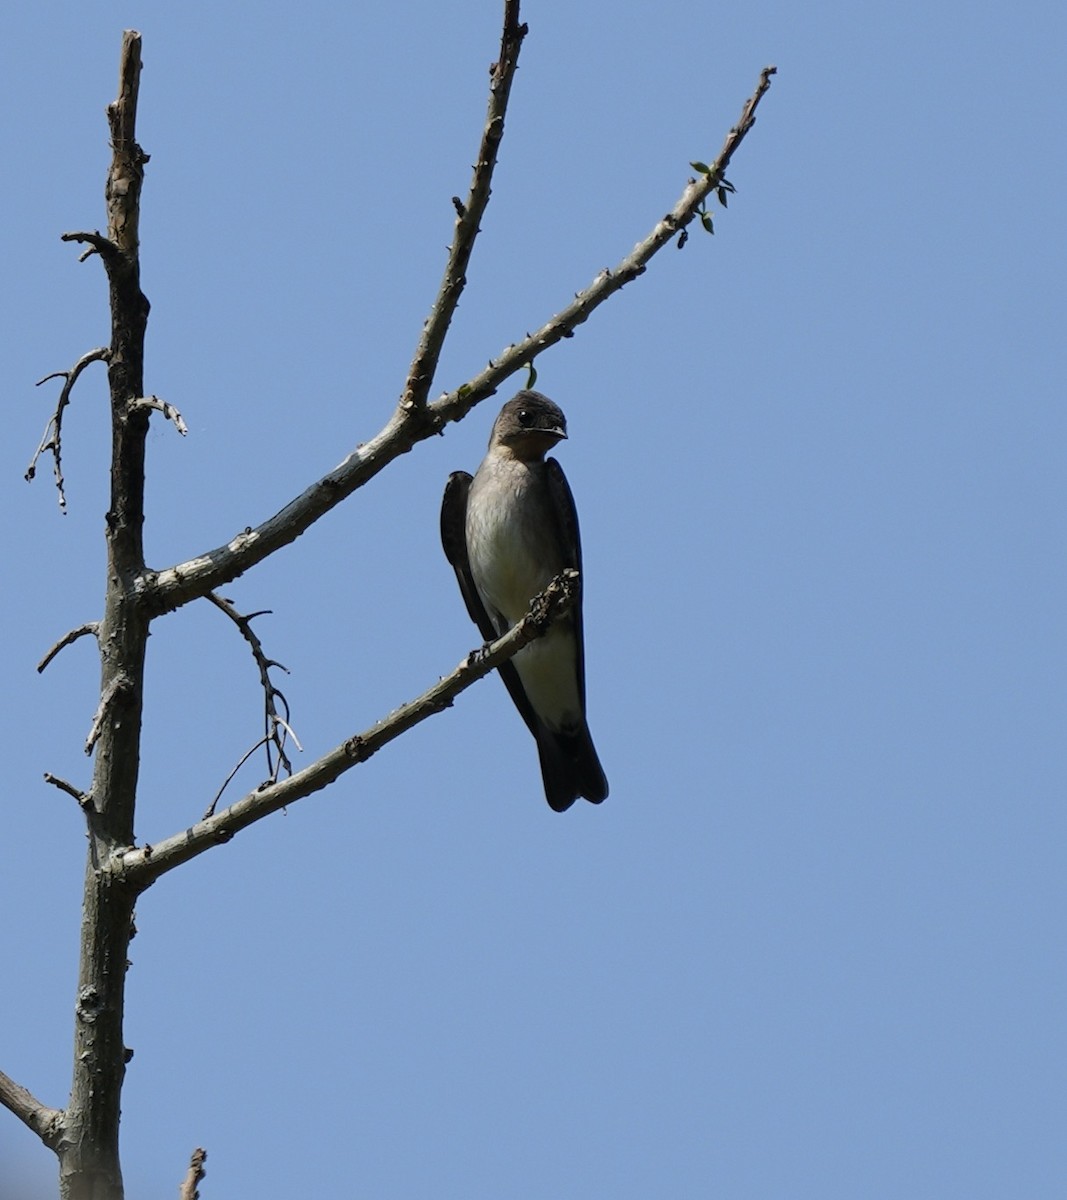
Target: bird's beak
558	433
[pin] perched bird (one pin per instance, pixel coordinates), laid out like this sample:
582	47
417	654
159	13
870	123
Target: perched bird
507	532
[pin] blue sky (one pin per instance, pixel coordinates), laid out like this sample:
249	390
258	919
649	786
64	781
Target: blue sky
812	945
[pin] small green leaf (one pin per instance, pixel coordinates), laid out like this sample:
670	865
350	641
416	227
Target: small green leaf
722	196
703	168
531	378
705	220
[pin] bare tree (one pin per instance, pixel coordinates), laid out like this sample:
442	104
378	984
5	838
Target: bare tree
85	1134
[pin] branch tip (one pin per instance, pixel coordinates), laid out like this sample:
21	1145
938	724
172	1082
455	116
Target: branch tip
168	410
468	217
83	798
67	639
194	1176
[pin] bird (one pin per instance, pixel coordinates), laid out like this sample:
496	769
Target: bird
507	531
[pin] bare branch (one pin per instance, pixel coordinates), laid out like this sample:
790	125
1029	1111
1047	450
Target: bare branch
163	406
275	727
117	687
88	1153
81	797
44	1121
53	432
123	191
92	627
456	404
194	1177
96	244
140	867
468	216
177	585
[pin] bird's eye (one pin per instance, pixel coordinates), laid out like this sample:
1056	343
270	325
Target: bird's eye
526	418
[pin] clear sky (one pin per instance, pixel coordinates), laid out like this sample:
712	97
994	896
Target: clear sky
813	943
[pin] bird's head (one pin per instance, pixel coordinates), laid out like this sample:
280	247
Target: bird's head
528	426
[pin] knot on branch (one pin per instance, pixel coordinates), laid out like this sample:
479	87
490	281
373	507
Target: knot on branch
356	749
551	604
89	1006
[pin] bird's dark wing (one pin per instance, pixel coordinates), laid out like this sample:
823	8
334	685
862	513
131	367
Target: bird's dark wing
566	515
454	541
569	762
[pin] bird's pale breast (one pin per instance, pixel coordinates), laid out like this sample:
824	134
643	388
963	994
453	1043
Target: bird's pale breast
514	551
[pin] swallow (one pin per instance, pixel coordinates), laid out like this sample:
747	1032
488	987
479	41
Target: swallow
508	531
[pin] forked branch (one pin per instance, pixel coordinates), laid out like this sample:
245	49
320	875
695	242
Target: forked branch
276	727
456	404
95	243
177	585
53	432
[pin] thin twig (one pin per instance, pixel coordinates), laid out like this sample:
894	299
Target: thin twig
275	726
194	1177
468	215
44	1121
53	432
163	406
140	867
177	585
92	627
81	797
210	810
